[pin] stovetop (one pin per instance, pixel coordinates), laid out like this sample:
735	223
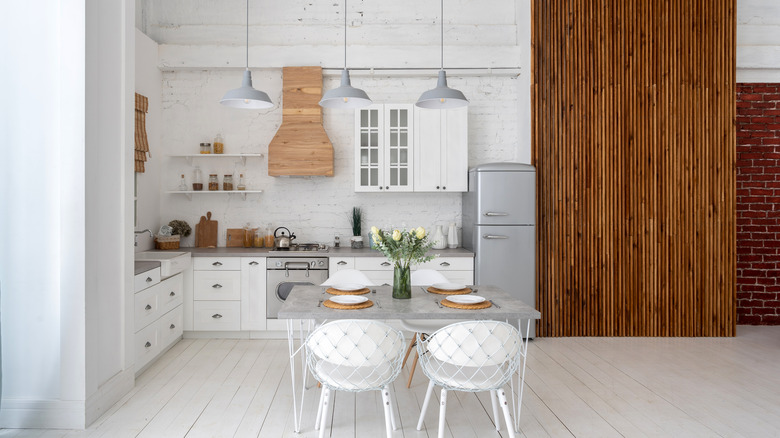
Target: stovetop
302	247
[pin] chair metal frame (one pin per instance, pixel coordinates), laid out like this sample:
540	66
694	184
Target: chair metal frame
354	356
472	356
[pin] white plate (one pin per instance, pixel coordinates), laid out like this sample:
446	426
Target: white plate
348	300
466	299
449	286
348	287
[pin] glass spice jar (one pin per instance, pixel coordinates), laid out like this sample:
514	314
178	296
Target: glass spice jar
259	238
219	145
197	179
227	182
205	148
213	182
241	185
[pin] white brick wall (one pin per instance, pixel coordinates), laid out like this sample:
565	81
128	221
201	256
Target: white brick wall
314	208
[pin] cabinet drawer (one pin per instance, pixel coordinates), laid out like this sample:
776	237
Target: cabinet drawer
449	264
216	263
147	279
217	316
170	293
459	277
146	307
170	326
212	285
338	263
146	345
373	264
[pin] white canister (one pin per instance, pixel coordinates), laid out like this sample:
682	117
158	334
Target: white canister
452	236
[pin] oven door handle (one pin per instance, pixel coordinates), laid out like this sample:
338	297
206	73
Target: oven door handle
293	265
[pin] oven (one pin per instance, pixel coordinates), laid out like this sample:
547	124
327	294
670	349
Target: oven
283	273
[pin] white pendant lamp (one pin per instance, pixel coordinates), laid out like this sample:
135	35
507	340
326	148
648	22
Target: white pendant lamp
246	96
442	97
345	96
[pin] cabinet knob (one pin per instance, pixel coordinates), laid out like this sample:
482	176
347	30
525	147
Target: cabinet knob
341	263
217	264
387	187
380	187
437	187
149	279
173	294
147	344
443	187
253	263
444	264
216	316
385	263
148	307
173	326
217	286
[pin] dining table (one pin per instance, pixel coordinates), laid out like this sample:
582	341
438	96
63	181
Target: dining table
304	308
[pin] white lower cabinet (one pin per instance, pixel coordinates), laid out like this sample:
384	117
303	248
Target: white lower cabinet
253	293
217	315
380	270
216	284
157	316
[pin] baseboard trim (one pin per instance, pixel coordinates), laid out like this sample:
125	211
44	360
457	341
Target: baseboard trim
108	394
41	414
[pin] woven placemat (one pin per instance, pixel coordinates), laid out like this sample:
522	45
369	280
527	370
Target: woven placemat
332	305
433	290
333	291
483	305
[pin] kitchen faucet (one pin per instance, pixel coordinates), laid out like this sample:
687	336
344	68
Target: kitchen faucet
141	232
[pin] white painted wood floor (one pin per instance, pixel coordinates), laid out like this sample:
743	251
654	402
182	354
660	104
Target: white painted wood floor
583	387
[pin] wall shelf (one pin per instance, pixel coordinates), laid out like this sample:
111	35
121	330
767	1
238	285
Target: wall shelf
189	193
243	157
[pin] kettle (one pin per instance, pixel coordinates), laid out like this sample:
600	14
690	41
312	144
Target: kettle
283	241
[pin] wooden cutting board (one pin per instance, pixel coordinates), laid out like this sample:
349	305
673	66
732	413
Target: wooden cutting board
234	237
206	232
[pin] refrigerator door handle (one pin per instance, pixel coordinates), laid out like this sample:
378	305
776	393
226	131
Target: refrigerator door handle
494	236
495	213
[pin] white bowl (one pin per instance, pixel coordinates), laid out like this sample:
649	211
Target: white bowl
449	286
348	287
466	299
348	300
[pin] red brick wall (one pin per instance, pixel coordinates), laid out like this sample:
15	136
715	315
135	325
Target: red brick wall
758	204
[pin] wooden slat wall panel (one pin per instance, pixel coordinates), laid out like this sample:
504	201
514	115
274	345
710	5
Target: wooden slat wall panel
634	143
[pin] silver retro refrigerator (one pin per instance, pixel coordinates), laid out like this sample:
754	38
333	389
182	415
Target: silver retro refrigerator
499	225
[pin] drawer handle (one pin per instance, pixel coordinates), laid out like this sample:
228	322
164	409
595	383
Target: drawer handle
216	316
444	264
147	344
495	213
385	263
148	307
253	263
216	264
173	326
173	294
149	279
217	286
494	236
342	263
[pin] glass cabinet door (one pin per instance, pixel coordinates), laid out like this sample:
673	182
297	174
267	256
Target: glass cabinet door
369	148
398	147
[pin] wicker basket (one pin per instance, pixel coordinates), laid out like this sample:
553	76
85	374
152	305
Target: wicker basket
167	242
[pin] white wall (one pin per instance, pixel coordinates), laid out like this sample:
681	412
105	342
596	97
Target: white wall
148	82
42	266
758	41
315	208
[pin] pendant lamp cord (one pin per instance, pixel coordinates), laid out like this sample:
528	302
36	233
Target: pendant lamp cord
247	34
345	34
442	34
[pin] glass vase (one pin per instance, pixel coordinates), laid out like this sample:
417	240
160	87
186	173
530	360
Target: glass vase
402	282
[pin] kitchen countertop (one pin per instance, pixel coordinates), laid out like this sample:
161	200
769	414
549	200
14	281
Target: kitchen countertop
142	266
331	252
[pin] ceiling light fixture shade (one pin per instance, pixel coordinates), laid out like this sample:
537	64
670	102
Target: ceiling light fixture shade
345	96
246	96
442	97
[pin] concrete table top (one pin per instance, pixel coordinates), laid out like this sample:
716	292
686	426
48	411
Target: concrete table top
302	303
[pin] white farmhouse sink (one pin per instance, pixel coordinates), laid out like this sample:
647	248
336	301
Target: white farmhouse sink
171	262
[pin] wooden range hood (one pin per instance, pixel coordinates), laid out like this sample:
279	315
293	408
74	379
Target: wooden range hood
301	147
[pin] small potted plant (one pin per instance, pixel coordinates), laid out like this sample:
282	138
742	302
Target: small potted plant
356	222
178	229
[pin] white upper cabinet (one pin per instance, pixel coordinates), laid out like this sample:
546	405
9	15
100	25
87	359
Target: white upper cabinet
402	148
384	148
441	150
